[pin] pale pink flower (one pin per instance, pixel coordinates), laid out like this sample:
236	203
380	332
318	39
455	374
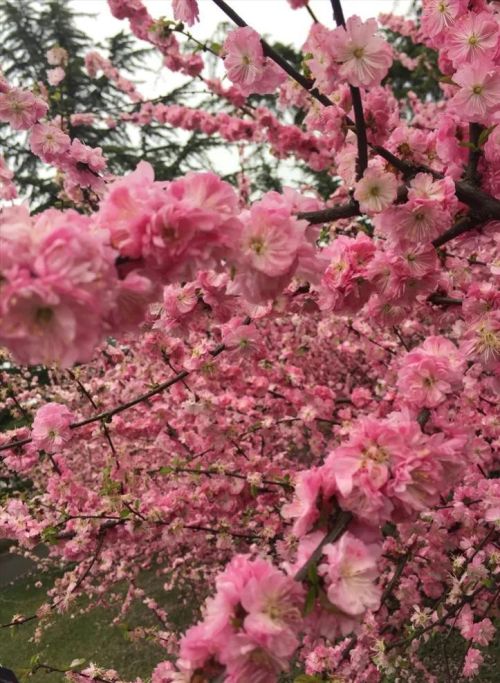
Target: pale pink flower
55	76
416	222
247	660
186	11
304	507
372	447
57	56
350	573
376	190
51	426
244	57
7	188
479	93
365	58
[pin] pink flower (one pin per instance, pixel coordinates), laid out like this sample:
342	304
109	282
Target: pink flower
304	508
343	285
246	65
186	10
473	37
430	372
439	15
273	602
472	663
350	573
269	241
7	187
57	56
365	58
418	221
376	190
371	448
244	60
51	427
55	76
49	142
21	108
479	94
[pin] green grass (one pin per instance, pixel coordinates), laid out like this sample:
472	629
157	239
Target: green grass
76	635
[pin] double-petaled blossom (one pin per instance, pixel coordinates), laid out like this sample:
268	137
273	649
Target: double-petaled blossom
250	626
20	108
51	426
59	283
350	574
364	57
49	142
344	287
246	64
376	190
430	372
272	247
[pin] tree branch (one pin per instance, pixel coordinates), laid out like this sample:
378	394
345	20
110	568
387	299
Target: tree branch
277	58
331	214
341	523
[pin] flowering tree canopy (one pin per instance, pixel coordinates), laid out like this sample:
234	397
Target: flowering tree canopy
284	402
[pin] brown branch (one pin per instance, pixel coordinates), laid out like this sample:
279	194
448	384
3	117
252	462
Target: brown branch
341	523
333	213
463	225
471	173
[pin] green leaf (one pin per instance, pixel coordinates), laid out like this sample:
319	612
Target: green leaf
312	575
311	596
485	134
49	535
305	678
